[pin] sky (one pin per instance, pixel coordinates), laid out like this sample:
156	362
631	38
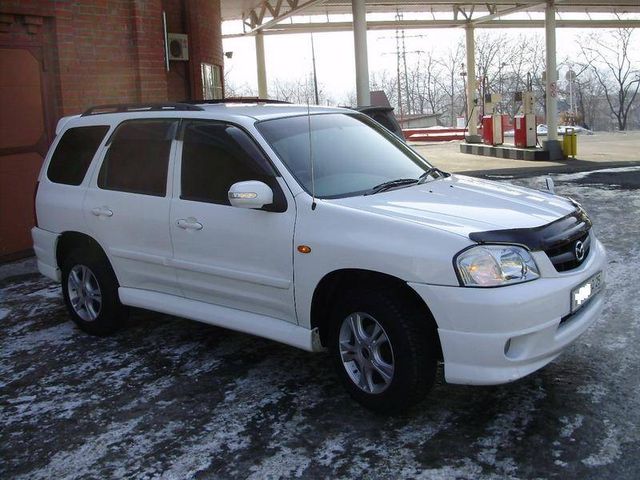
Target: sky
289	56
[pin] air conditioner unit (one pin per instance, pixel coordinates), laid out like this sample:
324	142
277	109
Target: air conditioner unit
178	46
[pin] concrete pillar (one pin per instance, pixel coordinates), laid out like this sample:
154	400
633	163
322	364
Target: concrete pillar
472	107
358	8
261	66
551	86
551	83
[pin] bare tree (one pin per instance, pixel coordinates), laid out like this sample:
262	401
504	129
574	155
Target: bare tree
425	92
590	103
232	89
505	63
609	61
524	59
238	90
298	90
450	79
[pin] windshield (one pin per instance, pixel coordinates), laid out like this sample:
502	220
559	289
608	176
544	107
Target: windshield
351	155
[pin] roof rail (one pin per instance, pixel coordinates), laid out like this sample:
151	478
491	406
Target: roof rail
234	100
140	107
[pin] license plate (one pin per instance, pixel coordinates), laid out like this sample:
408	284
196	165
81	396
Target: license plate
586	291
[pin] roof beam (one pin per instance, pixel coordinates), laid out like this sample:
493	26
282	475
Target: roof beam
506	11
426	24
254	18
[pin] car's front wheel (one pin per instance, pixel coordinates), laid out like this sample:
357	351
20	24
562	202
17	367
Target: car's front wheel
384	349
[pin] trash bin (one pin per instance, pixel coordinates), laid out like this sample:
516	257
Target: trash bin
570	143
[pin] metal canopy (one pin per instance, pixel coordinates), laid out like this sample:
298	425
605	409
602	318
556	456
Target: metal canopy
277	16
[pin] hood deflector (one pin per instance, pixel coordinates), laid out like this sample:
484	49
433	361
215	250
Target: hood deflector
545	237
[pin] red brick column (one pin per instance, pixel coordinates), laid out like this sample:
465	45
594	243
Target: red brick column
205	39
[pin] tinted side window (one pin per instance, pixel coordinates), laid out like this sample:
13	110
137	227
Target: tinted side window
74	153
138	157
215	156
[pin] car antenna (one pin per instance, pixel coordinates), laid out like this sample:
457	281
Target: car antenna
313	182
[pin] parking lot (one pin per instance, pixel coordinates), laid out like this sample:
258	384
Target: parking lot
170	398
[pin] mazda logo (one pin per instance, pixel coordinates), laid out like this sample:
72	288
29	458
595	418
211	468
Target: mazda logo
579	250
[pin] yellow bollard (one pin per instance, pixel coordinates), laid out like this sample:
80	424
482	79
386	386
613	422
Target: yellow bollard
570	143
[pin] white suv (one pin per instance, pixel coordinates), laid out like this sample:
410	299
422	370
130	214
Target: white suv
319	229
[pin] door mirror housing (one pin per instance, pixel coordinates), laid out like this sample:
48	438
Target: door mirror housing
250	194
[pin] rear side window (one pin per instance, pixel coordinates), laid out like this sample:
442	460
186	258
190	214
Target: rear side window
138	157
216	155
74	153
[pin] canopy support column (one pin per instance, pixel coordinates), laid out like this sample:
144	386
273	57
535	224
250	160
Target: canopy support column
472	107
261	66
551	84
358	8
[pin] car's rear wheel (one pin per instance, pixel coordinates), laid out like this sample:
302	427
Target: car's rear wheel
383	347
90	291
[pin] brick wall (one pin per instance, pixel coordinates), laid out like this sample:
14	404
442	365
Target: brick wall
112	51
97	53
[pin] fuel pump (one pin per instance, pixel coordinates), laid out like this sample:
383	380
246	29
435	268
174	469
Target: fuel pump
525	135
492	133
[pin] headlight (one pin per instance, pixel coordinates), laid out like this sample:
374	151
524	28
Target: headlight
495	265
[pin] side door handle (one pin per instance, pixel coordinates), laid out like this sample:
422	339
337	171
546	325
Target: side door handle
189	224
102	212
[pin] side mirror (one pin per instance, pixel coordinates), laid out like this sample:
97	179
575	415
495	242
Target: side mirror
250	194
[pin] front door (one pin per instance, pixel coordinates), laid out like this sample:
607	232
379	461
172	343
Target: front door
228	256
127	206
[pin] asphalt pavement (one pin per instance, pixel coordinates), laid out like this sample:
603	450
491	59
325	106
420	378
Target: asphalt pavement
169	398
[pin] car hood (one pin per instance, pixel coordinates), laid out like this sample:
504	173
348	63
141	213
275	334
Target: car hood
463	205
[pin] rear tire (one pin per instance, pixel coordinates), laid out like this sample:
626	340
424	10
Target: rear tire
392	365
90	291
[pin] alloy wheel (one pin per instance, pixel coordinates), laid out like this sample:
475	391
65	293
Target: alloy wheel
366	352
84	293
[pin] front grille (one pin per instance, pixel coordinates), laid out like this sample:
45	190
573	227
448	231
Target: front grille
557	239
564	256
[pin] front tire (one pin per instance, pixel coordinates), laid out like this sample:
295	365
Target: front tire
384	349
90	291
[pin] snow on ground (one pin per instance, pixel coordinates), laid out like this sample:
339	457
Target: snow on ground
171	399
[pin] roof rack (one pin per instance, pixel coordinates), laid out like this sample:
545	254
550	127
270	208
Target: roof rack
234	100
140	107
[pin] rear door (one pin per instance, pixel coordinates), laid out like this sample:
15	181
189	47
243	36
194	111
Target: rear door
224	255
127	206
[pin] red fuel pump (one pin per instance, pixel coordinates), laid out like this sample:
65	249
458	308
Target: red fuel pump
525	131
492	133
525	135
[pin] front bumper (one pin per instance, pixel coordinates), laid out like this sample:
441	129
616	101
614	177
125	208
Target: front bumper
496	335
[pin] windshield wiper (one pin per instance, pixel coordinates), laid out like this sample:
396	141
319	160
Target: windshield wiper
430	171
400	182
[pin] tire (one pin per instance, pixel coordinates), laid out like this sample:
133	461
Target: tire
97	309
405	341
